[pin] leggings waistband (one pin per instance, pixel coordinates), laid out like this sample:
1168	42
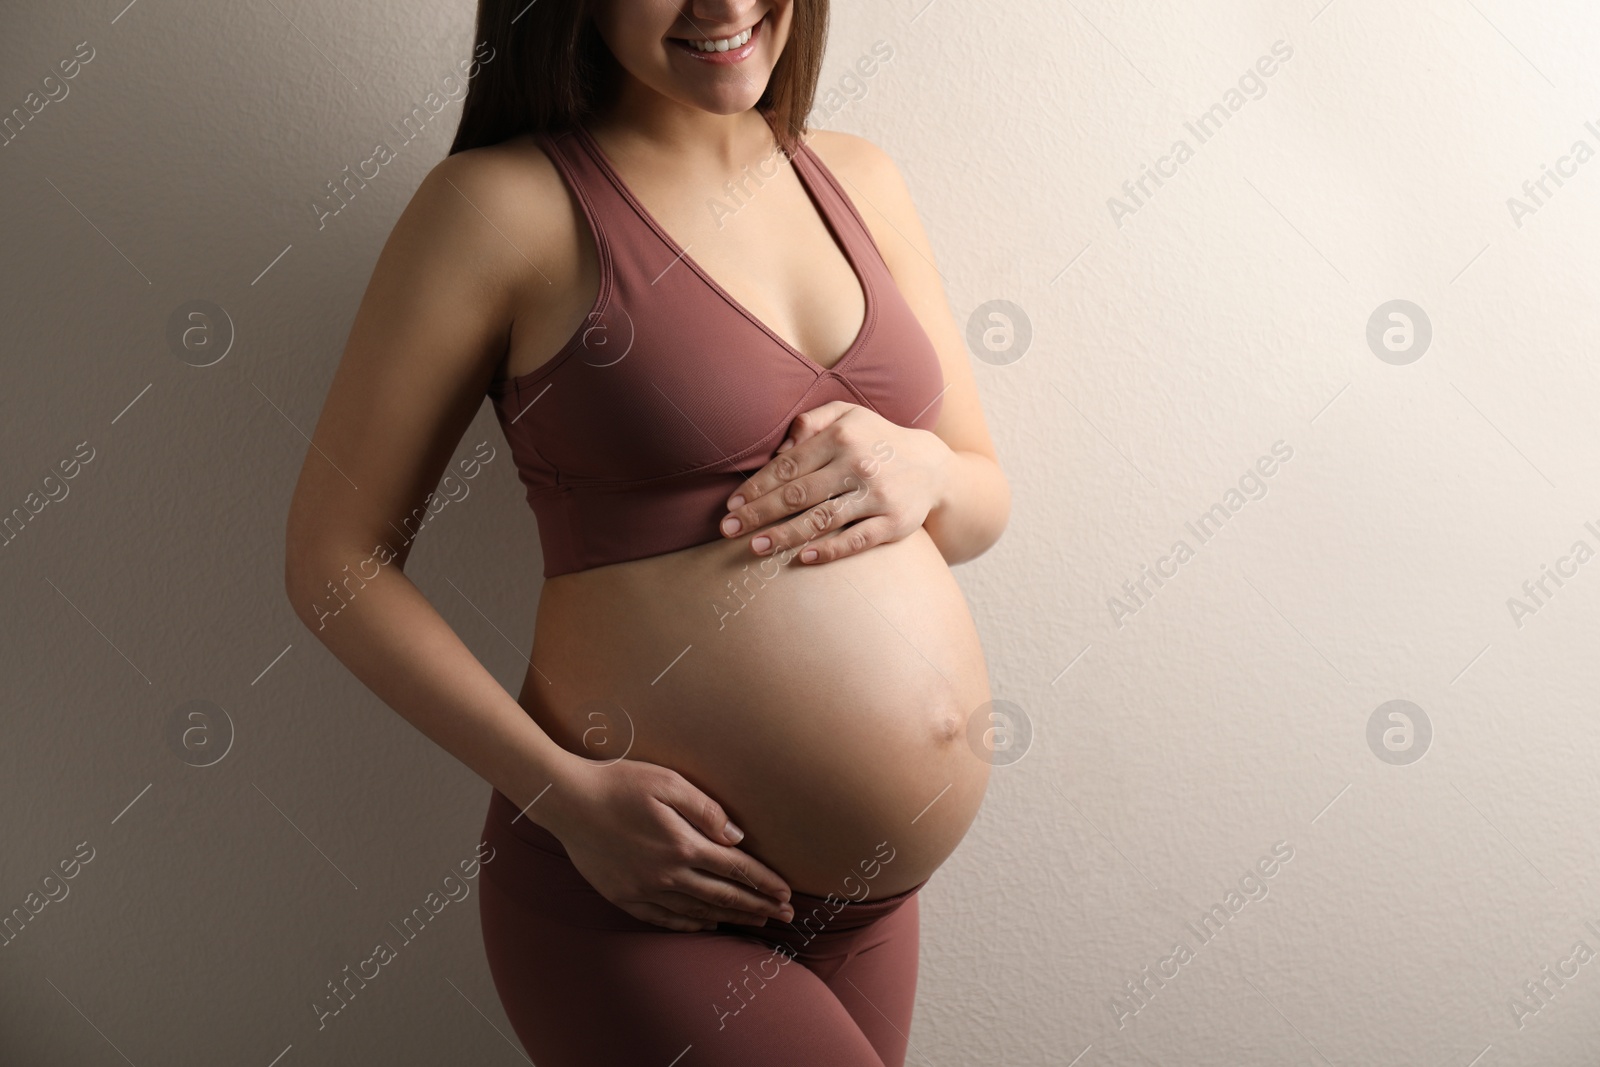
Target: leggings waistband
836	910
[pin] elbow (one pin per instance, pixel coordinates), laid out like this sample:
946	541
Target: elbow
970	551
309	573
981	528
322	575
315	585
298	583
302	546
324	565
1002	511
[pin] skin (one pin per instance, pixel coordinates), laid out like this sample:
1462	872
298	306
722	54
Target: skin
828	716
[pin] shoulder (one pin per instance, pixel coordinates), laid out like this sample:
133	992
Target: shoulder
857	162
880	194
499	201
501	175
501	212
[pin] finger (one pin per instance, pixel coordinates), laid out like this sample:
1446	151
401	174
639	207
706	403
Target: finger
789	498
701	812
741	868
715	892
771	479
706	815
849	541
665	917
801	532
694	908
808	424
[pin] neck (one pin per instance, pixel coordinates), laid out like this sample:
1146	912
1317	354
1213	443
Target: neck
643	122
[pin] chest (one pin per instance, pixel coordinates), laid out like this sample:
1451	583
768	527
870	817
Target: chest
763	240
720	311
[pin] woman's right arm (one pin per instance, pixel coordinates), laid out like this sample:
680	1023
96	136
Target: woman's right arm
427	336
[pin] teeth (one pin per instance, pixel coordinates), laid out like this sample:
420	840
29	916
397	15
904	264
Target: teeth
736	41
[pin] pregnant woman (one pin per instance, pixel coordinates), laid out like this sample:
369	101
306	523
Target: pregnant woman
724	368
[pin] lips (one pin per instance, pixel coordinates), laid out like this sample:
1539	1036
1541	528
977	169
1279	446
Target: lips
724	47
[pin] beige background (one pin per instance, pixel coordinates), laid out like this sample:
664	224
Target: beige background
1170	752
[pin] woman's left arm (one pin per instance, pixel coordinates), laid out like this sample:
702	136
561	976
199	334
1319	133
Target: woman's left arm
897	479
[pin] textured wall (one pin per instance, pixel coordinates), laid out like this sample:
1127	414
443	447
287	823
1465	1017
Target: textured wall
1177	334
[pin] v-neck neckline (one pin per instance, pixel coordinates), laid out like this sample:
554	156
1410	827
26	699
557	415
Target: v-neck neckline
869	302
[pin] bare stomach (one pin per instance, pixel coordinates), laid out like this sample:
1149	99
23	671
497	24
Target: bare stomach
825	707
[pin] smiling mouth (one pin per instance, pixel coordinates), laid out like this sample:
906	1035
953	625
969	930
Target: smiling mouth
719	45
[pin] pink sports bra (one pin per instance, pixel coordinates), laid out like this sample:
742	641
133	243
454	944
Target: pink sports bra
633	436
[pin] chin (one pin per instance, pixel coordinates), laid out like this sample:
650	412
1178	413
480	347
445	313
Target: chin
728	107
719	100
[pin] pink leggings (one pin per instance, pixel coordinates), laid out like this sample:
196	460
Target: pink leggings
585	983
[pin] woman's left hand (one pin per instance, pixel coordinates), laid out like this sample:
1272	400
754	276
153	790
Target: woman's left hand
841	464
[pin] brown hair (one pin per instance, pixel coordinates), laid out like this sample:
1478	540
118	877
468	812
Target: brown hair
548	68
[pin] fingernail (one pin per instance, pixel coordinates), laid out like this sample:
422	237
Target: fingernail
788	442
733	832
786	913
762	543
736	502
730	525
808	555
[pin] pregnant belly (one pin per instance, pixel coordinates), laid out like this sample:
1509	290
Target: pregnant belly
826	708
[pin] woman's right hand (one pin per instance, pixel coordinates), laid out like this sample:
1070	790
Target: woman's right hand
662	850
